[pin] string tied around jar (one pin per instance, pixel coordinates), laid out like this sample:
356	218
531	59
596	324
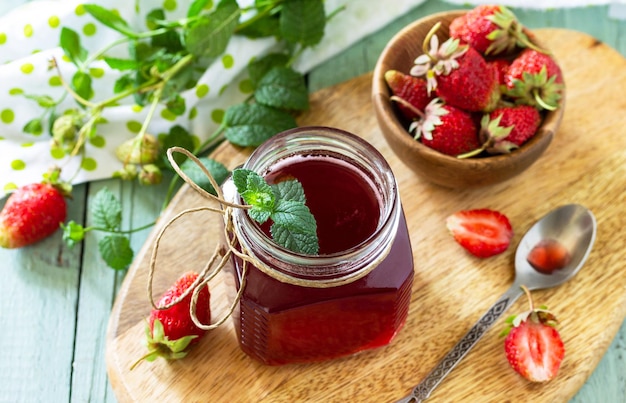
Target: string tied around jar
224	252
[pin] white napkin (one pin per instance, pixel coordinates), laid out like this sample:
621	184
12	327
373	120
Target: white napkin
29	38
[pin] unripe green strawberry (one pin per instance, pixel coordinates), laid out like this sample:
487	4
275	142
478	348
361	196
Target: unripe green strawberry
139	150
33	212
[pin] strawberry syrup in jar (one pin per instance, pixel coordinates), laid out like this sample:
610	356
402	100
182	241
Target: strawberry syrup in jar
354	295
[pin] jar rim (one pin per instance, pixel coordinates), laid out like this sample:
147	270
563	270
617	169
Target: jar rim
356	150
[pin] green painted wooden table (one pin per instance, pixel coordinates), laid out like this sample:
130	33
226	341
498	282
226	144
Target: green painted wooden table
56	301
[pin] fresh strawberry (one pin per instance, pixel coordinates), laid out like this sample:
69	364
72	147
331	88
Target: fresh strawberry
458	73
491	30
407	89
446	129
506	129
535	79
482	232
501	67
33	212
533	346
170	331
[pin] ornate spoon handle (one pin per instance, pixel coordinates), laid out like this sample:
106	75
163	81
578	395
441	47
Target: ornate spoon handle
423	390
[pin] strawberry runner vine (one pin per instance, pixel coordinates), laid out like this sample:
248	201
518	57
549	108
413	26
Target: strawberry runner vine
164	61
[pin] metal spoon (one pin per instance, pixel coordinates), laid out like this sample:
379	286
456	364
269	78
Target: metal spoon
574	227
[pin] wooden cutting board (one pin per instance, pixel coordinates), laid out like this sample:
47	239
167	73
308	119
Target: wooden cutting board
586	164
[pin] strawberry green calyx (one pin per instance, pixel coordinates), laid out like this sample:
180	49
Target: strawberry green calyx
53	178
540	315
537	90
160	346
510	33
437	60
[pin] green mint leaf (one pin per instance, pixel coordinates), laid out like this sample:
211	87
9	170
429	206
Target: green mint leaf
262	28
258	68
303	22
73	233
106	210
196	7
121	64
249	125
70	43
294	227
110	19
289	190
116	251
217	170
177	136
210	35
255	192
81	82
283	88
34	127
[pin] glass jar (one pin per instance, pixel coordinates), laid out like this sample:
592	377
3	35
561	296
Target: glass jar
352	296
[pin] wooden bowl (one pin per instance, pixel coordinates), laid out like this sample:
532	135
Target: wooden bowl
431	165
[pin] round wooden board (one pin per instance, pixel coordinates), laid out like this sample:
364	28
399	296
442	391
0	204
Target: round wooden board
586	164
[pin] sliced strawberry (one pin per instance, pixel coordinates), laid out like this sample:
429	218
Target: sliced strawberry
483	232
533	346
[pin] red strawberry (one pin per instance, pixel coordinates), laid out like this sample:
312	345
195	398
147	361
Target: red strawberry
407	89
483	232
490	29
533	346
459	74
549	255
506	128
501	67
446	129
535	79
33	212
170	331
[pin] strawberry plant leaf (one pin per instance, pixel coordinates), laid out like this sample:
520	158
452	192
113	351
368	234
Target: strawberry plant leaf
81	82
217	170
34	127
249	125
210	35
284	88
303	22
116	251
110	19
259	67
73	233
196	7
106	210
70	43
121	64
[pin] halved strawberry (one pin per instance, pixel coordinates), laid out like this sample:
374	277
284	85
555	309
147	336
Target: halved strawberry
533	346
483	232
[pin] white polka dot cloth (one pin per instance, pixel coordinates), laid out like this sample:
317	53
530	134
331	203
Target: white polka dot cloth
29	38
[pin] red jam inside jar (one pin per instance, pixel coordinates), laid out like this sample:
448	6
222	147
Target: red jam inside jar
365	253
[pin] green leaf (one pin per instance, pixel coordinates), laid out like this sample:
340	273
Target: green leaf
116	251
45	101
196	7
289	190
294	227
210	35
283	88
73	233
121	64
110	19
34	127
249	125
216	169
262	28
258	68
70	43
123	83
81	82
176	105
303	22
255	192
177	136
106	210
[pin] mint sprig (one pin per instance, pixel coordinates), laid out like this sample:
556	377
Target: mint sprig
293	225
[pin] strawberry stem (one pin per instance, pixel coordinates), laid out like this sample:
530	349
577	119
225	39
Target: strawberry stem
427	39
407	104
530	298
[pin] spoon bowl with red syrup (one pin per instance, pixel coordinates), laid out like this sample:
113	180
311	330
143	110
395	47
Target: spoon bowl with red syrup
550	253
